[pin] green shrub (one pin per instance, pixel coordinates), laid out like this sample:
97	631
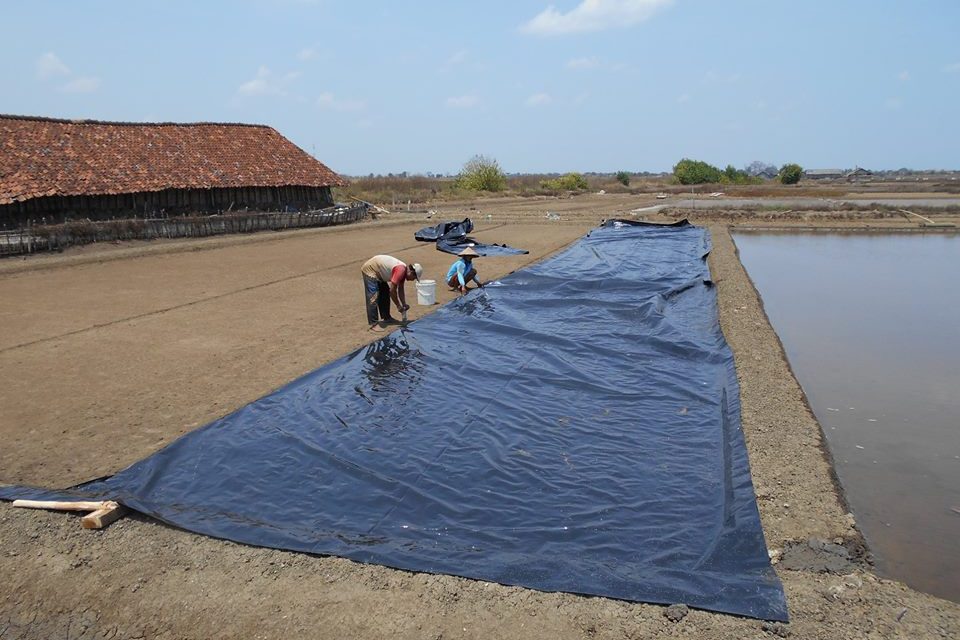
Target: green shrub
696	172
623	177
481	173
732	175
568	182
790	173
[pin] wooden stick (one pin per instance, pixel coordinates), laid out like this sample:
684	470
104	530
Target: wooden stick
924	218
62	506
104	512
370	204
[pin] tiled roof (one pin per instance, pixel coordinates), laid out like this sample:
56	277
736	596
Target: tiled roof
48	157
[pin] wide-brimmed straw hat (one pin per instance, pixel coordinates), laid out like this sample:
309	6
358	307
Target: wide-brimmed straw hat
468	253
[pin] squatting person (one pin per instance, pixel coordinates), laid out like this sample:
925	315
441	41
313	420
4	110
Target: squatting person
462	271
383	280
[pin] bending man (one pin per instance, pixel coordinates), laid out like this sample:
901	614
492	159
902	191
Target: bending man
383	280
462	271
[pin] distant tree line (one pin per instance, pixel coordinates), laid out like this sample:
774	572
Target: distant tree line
689	171
482	173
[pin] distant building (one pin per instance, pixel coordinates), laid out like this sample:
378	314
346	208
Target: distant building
859	174
823	174
768	174
59	169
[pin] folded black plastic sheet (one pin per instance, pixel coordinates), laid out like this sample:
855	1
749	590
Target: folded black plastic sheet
573	427
451	237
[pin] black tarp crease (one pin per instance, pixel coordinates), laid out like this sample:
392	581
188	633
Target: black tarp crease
451	237
572	427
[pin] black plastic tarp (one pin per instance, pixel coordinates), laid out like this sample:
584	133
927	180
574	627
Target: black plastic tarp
451	237
572	427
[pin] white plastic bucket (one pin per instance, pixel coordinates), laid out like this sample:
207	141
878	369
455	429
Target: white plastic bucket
427	292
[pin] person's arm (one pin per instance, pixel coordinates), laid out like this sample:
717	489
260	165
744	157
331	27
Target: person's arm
397	293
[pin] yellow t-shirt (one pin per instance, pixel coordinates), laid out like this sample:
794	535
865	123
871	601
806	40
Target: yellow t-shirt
382	268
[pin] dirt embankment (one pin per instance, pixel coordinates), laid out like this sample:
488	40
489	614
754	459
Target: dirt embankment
102	362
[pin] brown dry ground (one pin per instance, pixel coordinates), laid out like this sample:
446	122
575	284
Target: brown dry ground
108	353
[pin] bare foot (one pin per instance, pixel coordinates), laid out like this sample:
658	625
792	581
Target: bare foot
376	328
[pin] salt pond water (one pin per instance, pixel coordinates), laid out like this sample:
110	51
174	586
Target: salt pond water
871	326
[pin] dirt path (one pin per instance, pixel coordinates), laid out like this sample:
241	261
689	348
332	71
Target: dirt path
101	363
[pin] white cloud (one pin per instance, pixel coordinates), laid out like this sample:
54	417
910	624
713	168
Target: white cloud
904	76
463	60
721	78
593	15
893	104
259	85
307	53
583	63
538	100
49	65
462	102
456	59
267	83
82	84
328	101
952	68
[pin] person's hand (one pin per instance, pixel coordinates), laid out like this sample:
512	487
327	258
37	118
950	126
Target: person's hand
463	291
480	284
404	307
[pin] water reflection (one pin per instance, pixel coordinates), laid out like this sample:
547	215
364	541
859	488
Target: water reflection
478	304
391	364
869	325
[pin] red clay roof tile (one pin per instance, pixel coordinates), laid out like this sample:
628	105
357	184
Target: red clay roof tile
47	157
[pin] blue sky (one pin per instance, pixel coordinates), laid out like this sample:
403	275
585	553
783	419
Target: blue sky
576	85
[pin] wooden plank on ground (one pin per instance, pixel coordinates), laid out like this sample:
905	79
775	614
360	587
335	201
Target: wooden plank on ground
102	517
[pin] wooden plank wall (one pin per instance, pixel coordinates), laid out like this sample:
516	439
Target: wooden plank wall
60	236
169	202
